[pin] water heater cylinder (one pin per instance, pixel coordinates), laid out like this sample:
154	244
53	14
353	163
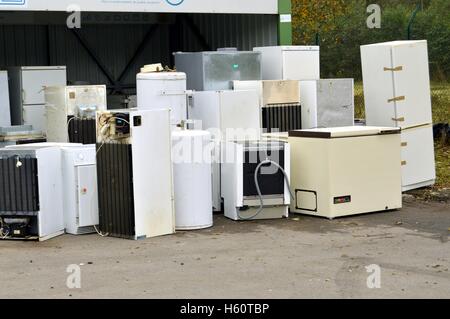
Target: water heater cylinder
161	90
191	156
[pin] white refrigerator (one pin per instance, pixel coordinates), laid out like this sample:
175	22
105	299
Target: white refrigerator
70	112
26	88
227	115
397	93
290	62
5	118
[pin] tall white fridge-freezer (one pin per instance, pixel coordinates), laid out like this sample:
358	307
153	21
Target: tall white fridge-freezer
397	93
26	88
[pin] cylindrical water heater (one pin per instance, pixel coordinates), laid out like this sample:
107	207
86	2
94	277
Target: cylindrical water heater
191	156
159	90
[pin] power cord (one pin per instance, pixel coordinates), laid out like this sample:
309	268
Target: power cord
261	200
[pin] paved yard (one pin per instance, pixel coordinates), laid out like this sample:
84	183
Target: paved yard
302	257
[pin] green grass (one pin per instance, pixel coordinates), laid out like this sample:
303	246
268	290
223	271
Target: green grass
440	95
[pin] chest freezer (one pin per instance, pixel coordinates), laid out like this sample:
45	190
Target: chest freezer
344	171
396	83
290	62
327	103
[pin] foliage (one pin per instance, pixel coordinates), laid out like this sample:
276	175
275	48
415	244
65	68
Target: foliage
342	29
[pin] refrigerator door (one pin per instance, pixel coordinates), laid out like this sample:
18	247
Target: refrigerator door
35	115
301	65
5	118
34	80
335	103
418	165
87	196
378	85
412	83
240	115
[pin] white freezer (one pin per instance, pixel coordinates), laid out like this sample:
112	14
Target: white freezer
418	163
5	118
396	83
327	103
290	62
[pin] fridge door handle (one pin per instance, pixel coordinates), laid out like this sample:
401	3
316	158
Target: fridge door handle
399	68
397	99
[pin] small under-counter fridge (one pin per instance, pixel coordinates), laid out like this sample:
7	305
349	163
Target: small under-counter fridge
5	118
80	200
26	88
70	112
397	93
327	103
227	115
344	171
215	70
135	173
31	205
290	62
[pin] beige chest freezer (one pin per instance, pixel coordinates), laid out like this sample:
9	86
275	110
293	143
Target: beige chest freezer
345	171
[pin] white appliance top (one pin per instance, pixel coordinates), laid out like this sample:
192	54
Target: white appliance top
37	68
294	47
347	131
161	76
41	145
396	43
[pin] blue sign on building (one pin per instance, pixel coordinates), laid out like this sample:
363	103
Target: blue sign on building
175	2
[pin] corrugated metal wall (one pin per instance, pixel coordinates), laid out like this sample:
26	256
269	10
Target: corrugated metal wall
116	44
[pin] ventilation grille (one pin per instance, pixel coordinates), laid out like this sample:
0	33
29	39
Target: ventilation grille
282	117
115	190
82	130
19	189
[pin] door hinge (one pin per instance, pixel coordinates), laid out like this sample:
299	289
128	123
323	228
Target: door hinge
400	119
404	144
404	163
